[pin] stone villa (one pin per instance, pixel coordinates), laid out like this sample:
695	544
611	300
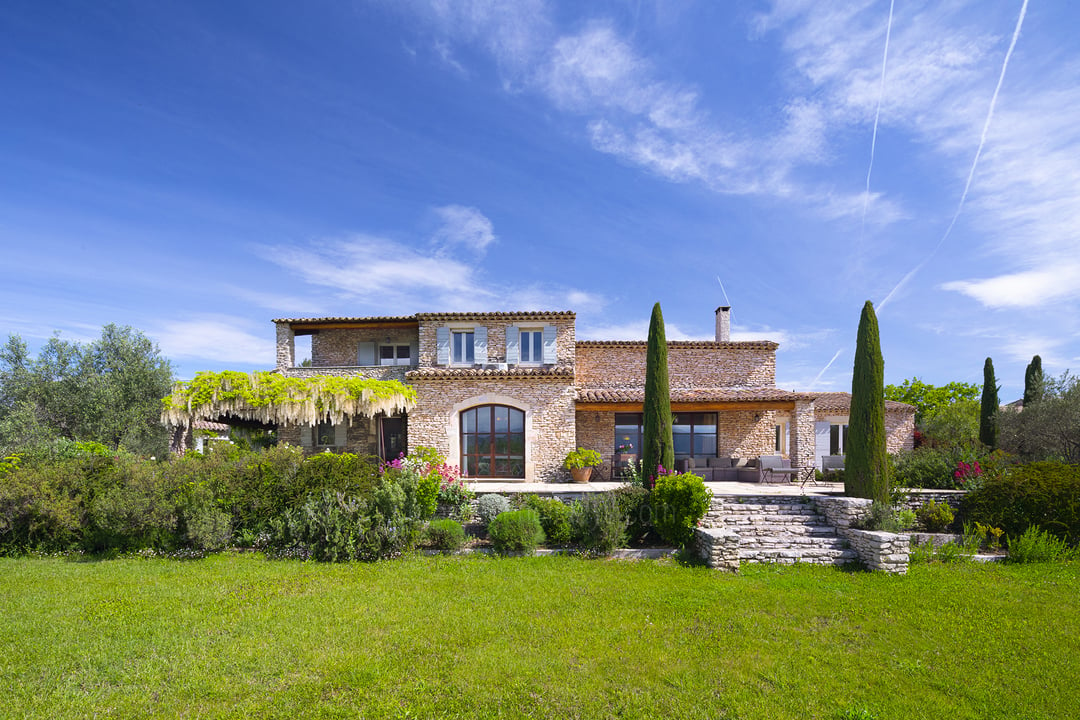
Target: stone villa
506	395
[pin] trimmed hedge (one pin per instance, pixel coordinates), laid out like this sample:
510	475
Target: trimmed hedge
1043	494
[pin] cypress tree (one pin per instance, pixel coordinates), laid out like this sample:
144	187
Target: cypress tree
988	430
1033	381
866	468
659	448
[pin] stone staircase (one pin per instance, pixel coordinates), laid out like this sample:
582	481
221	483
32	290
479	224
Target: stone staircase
779	529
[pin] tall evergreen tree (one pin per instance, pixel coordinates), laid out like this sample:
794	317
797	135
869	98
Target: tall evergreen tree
659	448
988	431
1033	381
866	468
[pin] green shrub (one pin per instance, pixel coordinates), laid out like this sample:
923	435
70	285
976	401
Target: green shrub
446	536
1044	494
516	531
634	504
885	517
488	507
554	517
678	503
600	524
1037	546
203	525
37	511
329	527
934	516
925	467
136	509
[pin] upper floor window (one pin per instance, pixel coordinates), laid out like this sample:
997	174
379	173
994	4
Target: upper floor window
532	346
462	347
394	355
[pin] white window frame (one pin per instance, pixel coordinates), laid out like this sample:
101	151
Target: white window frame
397	359
455	358
532	333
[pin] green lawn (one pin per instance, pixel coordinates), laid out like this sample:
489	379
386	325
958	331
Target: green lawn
241	636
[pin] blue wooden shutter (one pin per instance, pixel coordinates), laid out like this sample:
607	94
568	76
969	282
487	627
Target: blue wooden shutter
340	435
306	433
513	345
442	346
550	354
366	354
480	353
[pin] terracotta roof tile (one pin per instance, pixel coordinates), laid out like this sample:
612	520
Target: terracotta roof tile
530	314
689	344
342	319
637	395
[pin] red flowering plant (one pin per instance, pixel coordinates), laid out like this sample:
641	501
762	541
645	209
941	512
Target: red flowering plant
968	476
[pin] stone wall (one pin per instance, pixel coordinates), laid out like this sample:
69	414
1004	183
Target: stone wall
745	433
361	438
690	364
340	347
899	431
548	404
718	548
877	550
917	496
596	431
375	372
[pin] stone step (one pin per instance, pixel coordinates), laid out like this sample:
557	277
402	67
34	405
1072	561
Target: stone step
743	509
782	543
769	529
788	557
805	519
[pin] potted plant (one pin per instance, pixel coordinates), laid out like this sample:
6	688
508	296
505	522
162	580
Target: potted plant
580	463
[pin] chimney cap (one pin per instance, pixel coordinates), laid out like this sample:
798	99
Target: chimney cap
723	307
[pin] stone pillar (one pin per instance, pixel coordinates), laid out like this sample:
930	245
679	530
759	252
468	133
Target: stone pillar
286	346
802	434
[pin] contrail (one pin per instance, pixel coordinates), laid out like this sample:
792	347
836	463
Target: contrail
877	115
834	357
726	301
974	163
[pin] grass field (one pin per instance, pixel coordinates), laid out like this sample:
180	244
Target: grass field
552	637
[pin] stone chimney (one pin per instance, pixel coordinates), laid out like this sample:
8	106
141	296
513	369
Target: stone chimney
723	323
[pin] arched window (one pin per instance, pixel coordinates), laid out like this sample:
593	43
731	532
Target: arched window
493	442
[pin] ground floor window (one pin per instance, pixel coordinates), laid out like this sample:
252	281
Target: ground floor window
694	434
493	442
837	438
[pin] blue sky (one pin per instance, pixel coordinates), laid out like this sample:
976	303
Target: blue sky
196	169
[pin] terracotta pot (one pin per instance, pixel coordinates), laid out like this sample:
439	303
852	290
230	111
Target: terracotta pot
581	475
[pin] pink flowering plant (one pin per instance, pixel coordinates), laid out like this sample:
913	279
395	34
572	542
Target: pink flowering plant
968	476
443	480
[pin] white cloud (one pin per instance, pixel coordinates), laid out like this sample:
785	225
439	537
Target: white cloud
1031	288
465	226
221	338
381	272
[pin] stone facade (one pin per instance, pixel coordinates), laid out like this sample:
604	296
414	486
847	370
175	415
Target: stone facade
549	417
497	324
690	364
360	437
340	348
